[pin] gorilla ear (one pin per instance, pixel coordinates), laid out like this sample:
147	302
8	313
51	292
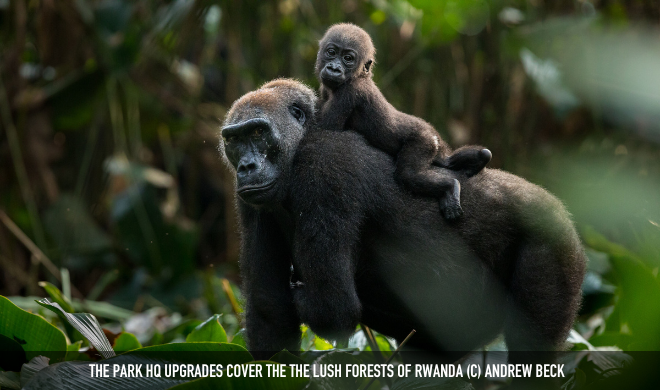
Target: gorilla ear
367	65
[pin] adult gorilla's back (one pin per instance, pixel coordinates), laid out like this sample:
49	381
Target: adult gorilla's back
514	258
366	250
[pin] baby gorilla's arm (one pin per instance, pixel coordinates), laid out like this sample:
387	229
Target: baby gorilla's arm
337	109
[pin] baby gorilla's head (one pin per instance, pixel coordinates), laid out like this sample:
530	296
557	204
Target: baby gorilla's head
345	52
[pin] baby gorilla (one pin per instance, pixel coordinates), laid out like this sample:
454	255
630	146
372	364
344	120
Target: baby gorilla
351	100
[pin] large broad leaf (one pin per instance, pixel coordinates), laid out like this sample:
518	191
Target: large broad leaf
35	335
262	383
209	330
84	323
77	375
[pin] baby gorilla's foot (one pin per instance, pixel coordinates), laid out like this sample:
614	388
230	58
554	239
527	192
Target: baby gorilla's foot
450	204
485	156
482	158
468	161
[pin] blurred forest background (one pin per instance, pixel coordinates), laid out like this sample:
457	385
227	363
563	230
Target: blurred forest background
112	187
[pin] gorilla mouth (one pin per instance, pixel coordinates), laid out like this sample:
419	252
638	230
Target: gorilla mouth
331	81
251	190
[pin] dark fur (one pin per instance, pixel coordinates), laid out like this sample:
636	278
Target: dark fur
368	251
350	100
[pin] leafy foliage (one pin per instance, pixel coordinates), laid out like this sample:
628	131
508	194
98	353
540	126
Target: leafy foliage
32	332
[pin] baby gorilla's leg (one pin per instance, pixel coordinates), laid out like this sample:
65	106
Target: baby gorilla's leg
415	172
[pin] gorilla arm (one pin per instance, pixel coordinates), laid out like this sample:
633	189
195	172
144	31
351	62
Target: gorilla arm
327	299
271	319
336	107
329	213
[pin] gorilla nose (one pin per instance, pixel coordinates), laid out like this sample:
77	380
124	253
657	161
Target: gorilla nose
247	167
333	69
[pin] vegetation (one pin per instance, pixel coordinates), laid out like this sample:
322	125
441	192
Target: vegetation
115	202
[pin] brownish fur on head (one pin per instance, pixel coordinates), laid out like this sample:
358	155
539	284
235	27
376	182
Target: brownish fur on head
348	36
269	97
260	136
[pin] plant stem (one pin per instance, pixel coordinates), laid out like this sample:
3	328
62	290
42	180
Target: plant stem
30	245
226	287
19	167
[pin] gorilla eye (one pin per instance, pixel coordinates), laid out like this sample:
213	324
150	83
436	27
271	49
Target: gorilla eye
297	113
228	139
330	52
257	132
348	58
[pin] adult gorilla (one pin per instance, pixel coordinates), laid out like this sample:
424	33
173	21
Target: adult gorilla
365	250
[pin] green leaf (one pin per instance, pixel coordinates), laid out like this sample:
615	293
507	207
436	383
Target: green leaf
74	347
28	303
57	296
199	347
31	331
609	338
183	329
76	375
73	352
383	344
239	338
84	323
103	310
126	342
321	344
638	304
209	330
286	357
306	338
99	309
263	383
61	299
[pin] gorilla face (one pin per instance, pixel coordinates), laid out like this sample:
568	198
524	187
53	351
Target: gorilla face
345	52
338	64
252	147
261	133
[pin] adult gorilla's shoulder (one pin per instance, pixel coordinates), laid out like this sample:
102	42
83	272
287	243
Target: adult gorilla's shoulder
342	164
